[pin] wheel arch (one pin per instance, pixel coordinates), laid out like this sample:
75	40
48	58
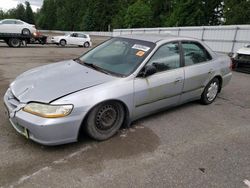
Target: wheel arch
126	122
219	77
62	40
25	28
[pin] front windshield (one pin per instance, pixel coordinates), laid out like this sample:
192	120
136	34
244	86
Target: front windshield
120	56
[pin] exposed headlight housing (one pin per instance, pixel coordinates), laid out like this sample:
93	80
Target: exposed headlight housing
48	110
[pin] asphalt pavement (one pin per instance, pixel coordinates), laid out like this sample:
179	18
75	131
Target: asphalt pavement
192	145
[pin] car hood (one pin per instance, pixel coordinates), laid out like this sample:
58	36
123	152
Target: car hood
50	82
245	51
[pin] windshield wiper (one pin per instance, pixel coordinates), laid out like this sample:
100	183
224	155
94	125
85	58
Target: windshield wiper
79	61
93	66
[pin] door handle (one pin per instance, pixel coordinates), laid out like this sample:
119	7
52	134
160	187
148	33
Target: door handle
211	71
178	80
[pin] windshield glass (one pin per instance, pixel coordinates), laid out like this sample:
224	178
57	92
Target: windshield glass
120	56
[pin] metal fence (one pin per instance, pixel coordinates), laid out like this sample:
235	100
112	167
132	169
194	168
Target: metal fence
219	38
94	33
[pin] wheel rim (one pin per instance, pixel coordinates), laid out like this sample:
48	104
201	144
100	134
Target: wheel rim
106	117
26	32
63	43
212	91
86	45
15	42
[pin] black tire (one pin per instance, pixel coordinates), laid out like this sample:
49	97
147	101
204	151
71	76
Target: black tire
26	32
104	120
209	95
86	45
62	42
14	42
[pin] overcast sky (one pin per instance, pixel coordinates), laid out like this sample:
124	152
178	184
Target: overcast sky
7	4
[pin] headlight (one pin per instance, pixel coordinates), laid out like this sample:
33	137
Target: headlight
47	110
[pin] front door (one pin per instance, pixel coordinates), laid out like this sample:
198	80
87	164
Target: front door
162	89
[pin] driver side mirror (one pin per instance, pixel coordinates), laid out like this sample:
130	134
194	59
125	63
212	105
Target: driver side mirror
148	71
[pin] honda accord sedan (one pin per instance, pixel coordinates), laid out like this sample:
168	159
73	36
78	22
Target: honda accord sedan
119	81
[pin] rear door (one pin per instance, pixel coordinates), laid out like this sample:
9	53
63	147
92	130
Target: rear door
19	26
163	88
198	69
81	39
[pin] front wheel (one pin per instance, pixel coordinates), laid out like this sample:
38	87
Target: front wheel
105	120
210	92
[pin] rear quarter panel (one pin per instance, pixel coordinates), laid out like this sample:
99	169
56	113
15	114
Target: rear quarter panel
223	65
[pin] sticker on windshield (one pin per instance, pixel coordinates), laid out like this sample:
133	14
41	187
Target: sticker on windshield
141	47
140	53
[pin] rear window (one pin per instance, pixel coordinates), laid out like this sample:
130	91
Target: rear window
19	22
194	53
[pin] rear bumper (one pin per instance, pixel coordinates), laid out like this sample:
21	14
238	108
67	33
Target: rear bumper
226	79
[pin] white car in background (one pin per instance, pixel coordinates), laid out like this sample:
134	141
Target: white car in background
79	39
241	59
15	26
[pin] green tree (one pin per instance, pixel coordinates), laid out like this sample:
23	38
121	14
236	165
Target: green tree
29	15
161	9
237	12
2	14
20	12
138	15
47	17
195	13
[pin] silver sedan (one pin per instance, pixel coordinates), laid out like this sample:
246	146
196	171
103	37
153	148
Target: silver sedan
119	81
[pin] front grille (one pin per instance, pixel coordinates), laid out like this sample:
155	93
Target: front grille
13	102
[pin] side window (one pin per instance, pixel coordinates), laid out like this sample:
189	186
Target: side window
74	35
82	36
167	57
8	22
194	53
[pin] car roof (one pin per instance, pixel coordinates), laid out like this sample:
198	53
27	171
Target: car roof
10	20
156	37
78	33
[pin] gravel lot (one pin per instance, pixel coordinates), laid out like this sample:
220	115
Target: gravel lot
188	146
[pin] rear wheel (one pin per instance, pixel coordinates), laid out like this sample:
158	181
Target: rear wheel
63	42
210	92
86	45
14	42
26	32
105	120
